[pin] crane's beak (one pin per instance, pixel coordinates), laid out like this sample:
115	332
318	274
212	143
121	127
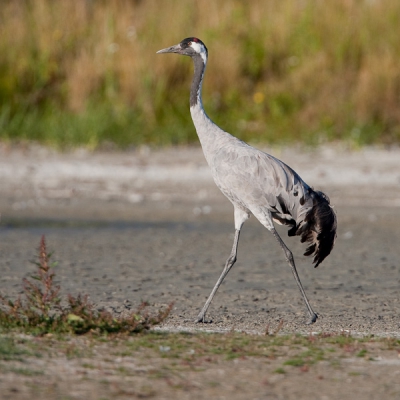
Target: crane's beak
172	49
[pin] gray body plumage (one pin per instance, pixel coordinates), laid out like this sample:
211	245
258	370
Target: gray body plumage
257	183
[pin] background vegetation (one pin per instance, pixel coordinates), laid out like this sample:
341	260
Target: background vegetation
86	73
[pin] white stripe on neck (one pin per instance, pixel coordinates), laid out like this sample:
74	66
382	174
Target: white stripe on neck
199	48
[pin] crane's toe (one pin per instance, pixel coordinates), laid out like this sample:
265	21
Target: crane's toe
202	318
313	318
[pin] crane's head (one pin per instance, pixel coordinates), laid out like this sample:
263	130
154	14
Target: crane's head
191	47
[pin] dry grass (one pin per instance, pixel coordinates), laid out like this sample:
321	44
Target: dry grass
75	72
39	309
182	366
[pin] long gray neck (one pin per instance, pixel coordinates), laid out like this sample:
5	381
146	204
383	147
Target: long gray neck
195	90
210	135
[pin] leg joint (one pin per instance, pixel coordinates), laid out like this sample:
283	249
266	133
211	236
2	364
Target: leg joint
289	256
231	260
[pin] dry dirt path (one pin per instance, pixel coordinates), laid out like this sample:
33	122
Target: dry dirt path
150	225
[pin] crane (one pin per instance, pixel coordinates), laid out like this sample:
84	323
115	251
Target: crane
257	183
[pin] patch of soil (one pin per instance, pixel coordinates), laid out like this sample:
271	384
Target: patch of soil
151	226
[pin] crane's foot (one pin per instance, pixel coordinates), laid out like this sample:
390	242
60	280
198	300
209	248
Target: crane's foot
202	318
312	319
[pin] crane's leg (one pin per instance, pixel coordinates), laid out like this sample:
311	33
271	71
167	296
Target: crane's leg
265	217
290	260
228	265
240	217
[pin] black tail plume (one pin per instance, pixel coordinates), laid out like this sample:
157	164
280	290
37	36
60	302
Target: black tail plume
318	228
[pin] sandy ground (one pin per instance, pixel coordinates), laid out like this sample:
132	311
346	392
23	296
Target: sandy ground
151	225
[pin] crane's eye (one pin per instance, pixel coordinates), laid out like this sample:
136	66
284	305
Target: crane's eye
190	43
